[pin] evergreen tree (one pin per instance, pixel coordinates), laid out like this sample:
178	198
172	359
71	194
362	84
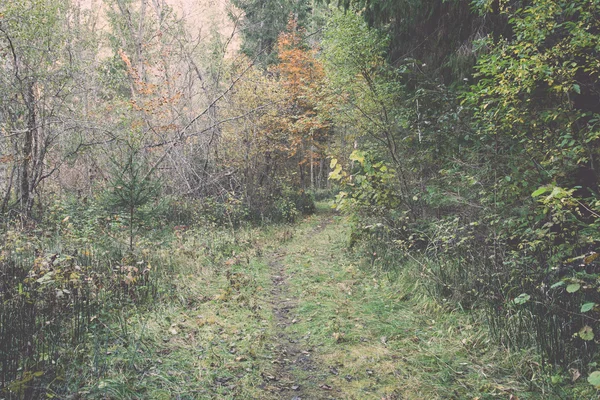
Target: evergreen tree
132	189
264	20
439	34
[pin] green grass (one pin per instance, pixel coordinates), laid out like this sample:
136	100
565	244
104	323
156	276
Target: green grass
204	339
211	333
389	340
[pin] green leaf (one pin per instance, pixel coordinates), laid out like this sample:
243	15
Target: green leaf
594	379
558	284
358	155
587	307
540	191
522	298
573	287
586	333
336	173
577	89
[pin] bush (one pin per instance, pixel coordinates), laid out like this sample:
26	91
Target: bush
52	301
325	194
303	201
227	210
284	210
231	210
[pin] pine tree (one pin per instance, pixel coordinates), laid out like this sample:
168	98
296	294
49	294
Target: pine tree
264	20
132	188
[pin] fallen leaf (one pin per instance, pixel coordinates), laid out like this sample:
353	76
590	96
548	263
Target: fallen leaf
338	336
575	374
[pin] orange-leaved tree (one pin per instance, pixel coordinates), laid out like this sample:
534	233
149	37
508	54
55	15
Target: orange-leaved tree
301	77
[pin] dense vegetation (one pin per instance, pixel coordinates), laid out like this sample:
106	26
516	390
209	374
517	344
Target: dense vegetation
485	172
459	136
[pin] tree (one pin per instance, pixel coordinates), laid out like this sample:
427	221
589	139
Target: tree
438	34
132	187
263	21
301	76
36	84
367	93
161	73
537	117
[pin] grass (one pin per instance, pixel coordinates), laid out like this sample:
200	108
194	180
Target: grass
212	331
383	339
202	340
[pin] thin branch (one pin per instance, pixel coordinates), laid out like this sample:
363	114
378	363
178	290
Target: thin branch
181	133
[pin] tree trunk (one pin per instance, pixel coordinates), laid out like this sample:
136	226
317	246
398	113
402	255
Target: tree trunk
26	196
131	213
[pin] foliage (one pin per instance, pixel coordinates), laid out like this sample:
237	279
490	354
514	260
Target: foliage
462	138
35	90
58	301
277	149
453	182
428	31
532	105
301	77
264	21
132	190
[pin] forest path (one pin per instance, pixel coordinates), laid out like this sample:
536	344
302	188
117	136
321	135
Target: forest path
292	314
297	376
341	331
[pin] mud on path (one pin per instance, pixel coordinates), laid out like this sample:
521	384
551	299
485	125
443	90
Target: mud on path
298	375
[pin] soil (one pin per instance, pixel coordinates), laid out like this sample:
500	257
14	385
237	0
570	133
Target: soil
292	353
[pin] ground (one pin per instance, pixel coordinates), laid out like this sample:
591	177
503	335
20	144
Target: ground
296	317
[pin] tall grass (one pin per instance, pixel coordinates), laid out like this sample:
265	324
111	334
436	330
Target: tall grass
516	296
70	289
52	302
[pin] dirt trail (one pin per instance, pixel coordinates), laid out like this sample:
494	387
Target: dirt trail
297	373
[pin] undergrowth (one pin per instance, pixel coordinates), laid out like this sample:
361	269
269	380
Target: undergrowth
389	333
83	314
189	315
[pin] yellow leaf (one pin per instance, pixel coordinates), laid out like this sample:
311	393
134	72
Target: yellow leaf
591	258
357	155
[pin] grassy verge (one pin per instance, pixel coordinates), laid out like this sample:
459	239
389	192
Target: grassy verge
387	339
198	332
205	339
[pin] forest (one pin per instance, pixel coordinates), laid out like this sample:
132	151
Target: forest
303	199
